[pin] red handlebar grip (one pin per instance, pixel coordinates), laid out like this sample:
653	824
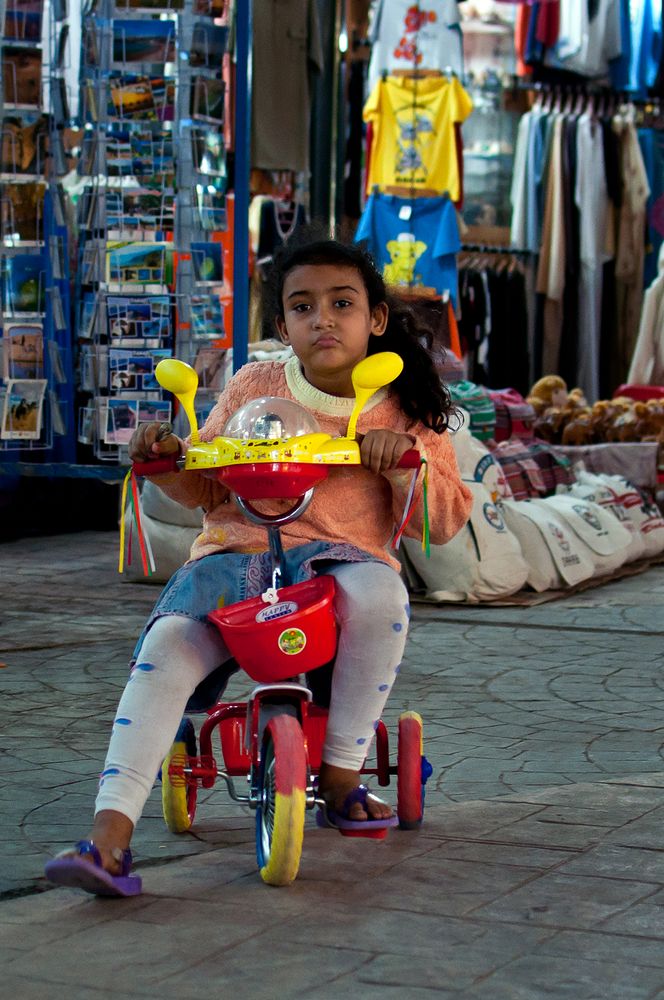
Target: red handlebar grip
409	460
155	466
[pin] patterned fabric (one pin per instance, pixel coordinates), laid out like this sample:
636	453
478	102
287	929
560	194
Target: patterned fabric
532	470
476	401
514	416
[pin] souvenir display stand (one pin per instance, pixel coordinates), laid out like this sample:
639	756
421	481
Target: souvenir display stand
36	376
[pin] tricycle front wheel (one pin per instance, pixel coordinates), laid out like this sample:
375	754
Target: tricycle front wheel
280	815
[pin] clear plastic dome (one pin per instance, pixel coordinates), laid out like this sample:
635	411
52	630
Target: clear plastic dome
270	418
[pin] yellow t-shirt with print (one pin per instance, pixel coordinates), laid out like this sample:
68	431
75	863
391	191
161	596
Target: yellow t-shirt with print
414	144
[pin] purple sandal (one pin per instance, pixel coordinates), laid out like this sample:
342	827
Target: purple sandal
329	817
70	869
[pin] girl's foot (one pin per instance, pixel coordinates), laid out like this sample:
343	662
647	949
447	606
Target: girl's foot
83	868
336	783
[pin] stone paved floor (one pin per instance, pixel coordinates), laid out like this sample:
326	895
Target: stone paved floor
539	871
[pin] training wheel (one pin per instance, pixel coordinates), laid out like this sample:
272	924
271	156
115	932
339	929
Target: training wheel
178	791
413	769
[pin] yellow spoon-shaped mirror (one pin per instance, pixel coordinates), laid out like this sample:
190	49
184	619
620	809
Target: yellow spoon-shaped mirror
368	376
180	379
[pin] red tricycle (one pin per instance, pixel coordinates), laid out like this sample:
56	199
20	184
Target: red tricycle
275	739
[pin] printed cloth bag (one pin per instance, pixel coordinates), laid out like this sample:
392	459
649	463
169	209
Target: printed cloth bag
479	406
644	514
606	498
555	555
514	416
606	540
476	463
482	562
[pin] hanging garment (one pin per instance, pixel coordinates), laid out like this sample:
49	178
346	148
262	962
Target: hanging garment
414	142
409	36
551	270
592	201
589	38
647	364
287	52
414	242
630	250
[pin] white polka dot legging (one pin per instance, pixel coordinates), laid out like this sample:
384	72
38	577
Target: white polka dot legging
178	653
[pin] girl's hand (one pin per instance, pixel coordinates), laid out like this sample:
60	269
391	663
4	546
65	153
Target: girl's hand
381	450
153	440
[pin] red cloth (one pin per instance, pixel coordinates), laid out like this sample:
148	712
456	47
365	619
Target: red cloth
548	23
521	37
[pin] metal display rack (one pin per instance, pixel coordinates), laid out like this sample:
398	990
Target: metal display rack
151	276
36	375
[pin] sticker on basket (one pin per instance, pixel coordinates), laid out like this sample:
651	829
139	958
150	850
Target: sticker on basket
276	611
292	641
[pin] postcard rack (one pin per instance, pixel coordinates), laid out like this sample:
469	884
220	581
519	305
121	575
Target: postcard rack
153	275
36	372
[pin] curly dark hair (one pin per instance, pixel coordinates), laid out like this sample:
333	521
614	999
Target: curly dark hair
421	393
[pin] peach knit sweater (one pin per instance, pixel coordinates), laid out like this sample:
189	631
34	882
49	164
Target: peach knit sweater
352	505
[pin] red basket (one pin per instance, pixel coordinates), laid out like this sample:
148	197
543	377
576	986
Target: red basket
272	642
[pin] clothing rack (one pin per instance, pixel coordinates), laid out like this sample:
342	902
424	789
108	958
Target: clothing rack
488	248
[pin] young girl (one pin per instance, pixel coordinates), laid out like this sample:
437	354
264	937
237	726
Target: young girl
330	305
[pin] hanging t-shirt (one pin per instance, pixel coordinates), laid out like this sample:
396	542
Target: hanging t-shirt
414	144
414	242
406	35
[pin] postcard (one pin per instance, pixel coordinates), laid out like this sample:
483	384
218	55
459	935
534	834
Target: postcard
207	262
208	44
121	420
55	361
207	100
23	285
150	410
132	98
144	318
140	210
22	410
24	140
208	152
86	424
23	351
21	76
207	318
23	20
150	41
55	409
211	207
22	212
139	263
133	370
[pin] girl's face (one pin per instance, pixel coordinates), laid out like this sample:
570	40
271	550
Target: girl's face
327	321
